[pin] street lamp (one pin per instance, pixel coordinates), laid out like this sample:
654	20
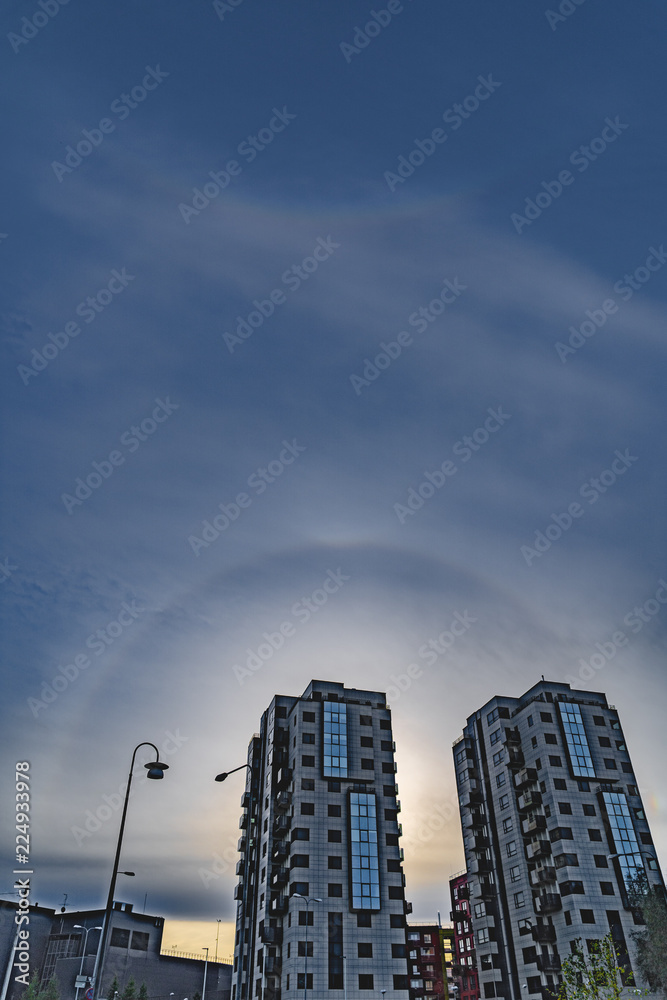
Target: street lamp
155	771
309	900
216	938
225	774
203	989
86	930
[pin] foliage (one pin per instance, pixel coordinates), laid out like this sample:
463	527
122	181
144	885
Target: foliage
113	989
130	991
32	992
52	991
597	976
143	992
651	940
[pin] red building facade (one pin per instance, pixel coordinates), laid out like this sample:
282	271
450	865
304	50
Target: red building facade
463	967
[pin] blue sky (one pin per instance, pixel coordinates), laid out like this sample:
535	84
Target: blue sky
350	447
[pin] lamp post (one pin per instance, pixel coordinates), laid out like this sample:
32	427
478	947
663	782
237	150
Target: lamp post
216	938
203	989
155	771
86	930
309	900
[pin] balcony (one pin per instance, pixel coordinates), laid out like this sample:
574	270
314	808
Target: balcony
533	824
284	777
547	902
280	878
544	933
464	892
273	965
482	890
245	800
529	800
283	801
527	776
459	916
408	907
480	865
243	821
271	935
279	905
242	845
538	849
281	826
280	852
281	737
549	963
512	737
238	891
515	758
542	876
240	867
480	843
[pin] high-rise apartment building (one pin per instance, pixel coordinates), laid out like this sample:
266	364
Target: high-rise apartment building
321	898
553	826
429	953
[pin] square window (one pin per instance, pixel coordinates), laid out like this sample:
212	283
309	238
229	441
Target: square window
305	948
364	949
595	835
604	741
393	865
366	741
398	951
589	810
503	801
511	848
366	720
364	920
307	785
550	738
500	779
498	758
386	745
308	716
519	900
388	768
139	941
333	786
646	839
307	808
300	833
365	982
335	862
304	981
600	861
335	889
480	910
308	737
494	737
334	836
610	764
546	717
395	892
626	767
584	786
391	814
555	761
389	790
587	916
492	716
306	918
400	982
308	761
560	784
396	920
300	861
565	808
391	839
515	873
367	764
385	723
119	938
302	888
599	720
508	826
607	888
333	810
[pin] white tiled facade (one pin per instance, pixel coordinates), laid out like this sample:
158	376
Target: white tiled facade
320	819
552	821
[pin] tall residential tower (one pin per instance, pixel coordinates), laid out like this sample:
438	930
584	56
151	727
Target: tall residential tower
321	899
553	827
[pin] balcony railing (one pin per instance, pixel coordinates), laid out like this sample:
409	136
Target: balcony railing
547	902
283	800
543	933
549	963
271	935
538	849
533	824
529	800
527	776
543	876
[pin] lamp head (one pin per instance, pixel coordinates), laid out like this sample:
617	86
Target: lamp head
221	777
156	769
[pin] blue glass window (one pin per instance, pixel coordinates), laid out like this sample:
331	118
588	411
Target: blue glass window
364	866
625	839
334	740
576	741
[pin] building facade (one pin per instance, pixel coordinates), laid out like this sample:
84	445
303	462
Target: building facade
429	955
64	946
464	971
321	898
553	826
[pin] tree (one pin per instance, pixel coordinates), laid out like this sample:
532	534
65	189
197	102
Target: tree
113	989
52	991
32	992
130	991
143	992
651	941
596	976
